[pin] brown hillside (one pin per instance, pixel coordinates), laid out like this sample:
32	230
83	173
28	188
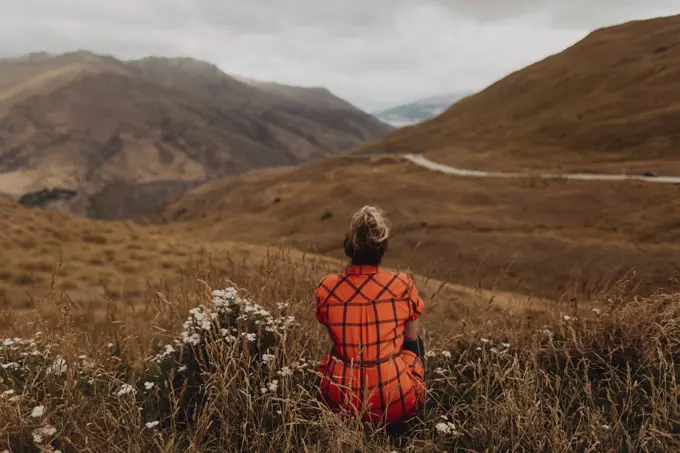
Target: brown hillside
114	265
611	97
155	126
537	237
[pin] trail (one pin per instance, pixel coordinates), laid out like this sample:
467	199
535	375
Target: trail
435	166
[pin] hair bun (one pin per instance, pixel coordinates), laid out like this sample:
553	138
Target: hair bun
369	227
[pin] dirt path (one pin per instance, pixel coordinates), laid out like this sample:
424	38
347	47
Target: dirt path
434	166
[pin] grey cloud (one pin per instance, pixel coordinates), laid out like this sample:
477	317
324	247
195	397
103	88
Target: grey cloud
572	13
374	53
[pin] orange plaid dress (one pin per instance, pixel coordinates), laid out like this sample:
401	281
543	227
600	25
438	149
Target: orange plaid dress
365	310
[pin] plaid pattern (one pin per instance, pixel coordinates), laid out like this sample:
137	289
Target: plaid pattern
365	310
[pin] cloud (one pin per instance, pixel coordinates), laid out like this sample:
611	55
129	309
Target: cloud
375	53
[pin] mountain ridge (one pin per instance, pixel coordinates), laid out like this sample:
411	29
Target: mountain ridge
420	110
80	121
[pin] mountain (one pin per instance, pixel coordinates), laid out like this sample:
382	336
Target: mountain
419	111
546	238
611	97
126	135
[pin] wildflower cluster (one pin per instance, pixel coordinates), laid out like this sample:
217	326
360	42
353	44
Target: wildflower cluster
230	318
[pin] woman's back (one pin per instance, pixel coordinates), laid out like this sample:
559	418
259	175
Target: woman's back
365	310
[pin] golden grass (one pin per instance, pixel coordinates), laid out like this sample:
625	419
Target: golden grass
97	265
604	381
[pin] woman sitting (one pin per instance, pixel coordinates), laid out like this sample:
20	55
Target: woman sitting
375	368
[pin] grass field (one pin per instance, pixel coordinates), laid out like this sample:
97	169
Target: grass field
583	379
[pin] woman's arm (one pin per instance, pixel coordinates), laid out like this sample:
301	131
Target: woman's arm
411	330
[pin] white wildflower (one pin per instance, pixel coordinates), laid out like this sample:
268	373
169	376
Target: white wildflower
440	370
8	342
182	368
38	411
45	431
149	385
478	348
430	354
251	337
193	339
126	389
281	305
58	367
446	354
446	428
153	424
10	366
285	371
266	358
273	386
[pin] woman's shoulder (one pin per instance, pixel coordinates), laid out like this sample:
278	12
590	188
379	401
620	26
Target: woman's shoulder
396	278
328	281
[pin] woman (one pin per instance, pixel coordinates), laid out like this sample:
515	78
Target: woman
375	368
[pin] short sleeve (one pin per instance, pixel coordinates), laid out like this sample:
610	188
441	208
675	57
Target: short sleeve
321	301
416	304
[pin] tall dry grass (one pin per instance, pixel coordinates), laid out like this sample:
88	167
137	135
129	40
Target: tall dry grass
194	370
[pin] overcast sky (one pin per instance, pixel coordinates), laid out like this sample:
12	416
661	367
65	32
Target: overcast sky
374	53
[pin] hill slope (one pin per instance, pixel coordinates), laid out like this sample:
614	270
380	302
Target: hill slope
148	129
543	238
611	97
105	265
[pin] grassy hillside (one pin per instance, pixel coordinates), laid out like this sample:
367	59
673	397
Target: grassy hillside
547	238
102	266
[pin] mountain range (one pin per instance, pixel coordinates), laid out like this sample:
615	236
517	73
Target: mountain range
127	135
419	111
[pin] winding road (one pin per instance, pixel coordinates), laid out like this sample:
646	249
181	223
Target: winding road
435	166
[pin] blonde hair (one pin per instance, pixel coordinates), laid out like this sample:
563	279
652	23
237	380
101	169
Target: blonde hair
369	227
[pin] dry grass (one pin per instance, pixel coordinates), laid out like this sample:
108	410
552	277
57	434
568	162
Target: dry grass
606	381
94	262
99	265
